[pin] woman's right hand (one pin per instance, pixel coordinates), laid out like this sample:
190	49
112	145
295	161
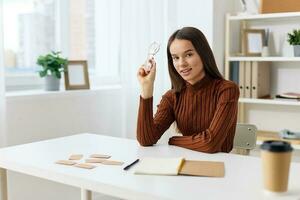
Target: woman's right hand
146	79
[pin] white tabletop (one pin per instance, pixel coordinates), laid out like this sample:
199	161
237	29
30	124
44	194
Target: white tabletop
242	173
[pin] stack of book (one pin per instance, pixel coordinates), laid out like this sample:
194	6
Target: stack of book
252	77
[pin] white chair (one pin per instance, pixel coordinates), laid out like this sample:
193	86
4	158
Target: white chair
244	139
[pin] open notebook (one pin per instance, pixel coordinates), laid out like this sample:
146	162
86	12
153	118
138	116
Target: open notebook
179	166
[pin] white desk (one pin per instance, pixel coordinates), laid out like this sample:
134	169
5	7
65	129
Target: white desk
242	173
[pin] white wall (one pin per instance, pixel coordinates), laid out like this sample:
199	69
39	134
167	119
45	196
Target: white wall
221	8
197	13
43	116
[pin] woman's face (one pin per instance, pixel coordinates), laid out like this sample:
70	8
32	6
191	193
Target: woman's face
187	61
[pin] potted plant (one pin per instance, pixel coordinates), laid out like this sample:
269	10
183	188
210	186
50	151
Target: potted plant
294	39
52	66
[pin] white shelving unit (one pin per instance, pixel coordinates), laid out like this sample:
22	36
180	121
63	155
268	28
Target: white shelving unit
229	57
287	102
233	52
266	59
275	16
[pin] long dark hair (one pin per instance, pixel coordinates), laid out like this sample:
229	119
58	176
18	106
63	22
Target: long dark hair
197	38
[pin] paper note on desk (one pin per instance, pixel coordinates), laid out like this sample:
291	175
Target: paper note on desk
180	166
159	166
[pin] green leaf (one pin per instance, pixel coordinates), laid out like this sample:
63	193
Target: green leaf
43	73
57	74
294	37
53	63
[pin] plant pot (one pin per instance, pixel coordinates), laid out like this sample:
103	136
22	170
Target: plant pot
52	83
297	50
265	51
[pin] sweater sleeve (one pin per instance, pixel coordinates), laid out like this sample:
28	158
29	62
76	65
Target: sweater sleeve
222	125
150	129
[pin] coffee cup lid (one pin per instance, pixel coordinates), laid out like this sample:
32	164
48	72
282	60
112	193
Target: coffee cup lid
276	146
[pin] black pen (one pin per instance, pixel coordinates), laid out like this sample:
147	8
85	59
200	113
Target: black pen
131	164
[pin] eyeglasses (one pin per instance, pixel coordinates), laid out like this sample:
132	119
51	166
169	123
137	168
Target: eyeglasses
152	50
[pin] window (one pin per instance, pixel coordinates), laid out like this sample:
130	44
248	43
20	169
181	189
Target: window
81	29
94	35
29	30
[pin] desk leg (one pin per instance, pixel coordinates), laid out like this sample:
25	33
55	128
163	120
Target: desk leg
86	194
3	184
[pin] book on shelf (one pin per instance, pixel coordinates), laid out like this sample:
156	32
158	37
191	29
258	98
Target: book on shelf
237	75
234	71
179	166
289	95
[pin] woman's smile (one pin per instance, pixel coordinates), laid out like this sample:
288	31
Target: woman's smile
186	72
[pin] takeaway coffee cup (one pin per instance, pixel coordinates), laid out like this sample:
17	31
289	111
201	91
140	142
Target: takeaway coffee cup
276	158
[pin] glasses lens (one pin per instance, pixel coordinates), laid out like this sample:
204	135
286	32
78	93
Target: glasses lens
154	48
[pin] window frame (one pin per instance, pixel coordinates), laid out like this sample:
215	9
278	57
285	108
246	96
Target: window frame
26	81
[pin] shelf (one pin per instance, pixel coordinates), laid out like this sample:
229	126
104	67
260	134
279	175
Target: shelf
267	135
265	16
281	59
279	24
288	102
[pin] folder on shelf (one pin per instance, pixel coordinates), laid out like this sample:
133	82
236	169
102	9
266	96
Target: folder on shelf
242	79
179	166
234	72
248	77
260	79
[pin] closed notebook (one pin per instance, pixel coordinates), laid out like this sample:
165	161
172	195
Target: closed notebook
180	166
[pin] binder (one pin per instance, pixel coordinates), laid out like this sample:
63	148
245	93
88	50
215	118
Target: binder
248	77
234	72
242	79
260	86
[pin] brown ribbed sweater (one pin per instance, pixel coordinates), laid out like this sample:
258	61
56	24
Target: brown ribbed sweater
205	114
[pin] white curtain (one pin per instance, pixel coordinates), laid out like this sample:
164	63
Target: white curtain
143	22
127	29
107	37
2	85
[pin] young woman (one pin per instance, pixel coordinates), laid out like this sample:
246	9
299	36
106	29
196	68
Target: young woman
202	103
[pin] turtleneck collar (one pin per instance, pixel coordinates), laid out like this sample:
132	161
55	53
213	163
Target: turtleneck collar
206	80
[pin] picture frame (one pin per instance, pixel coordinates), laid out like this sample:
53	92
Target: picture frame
76	75
253	41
